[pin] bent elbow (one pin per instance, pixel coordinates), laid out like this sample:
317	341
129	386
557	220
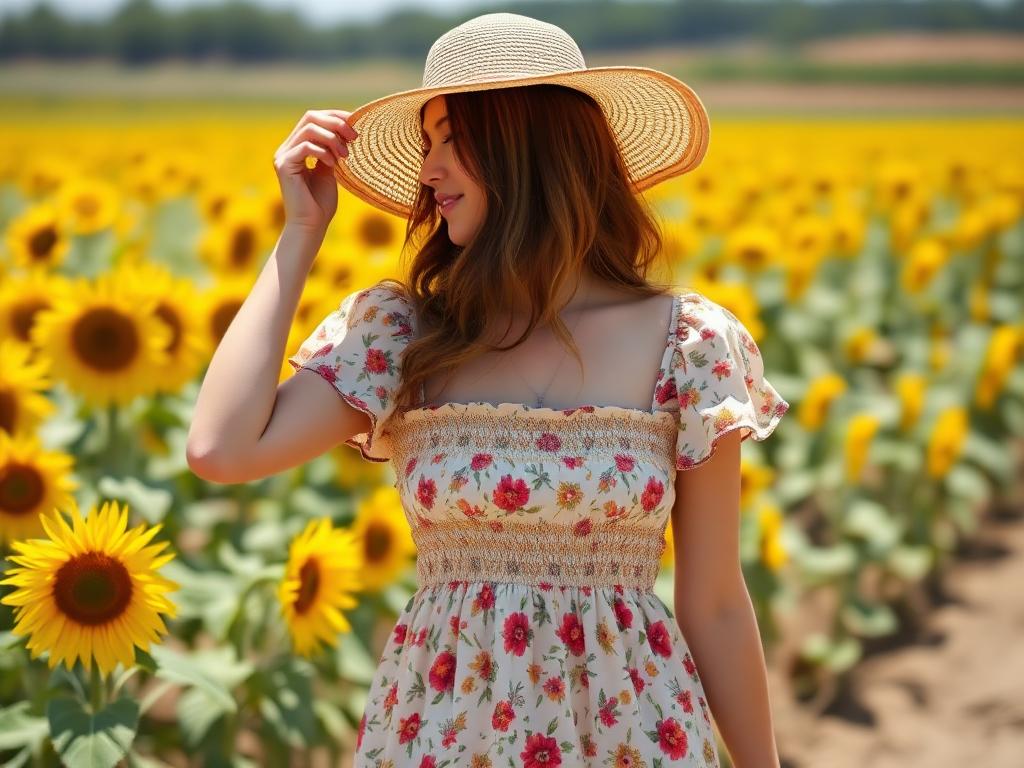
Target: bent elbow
205	463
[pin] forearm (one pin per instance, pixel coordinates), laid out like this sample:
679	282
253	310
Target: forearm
238	392
726	647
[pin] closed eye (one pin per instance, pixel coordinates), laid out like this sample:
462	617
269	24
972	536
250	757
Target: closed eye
426	150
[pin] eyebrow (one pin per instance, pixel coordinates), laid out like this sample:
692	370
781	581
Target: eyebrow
436	125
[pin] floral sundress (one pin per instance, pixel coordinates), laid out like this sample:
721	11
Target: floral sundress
535	638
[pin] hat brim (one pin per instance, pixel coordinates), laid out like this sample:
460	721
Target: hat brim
659	124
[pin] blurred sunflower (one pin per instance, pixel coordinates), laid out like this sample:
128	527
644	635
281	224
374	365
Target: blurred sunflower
36	238
321	575
752	246
383	531
369	229
105	340
43	174
23	297
22	380
33	482
88	205
90	590
335	268
173	297
220	304
238	241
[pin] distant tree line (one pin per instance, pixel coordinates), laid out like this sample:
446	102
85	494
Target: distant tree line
140	31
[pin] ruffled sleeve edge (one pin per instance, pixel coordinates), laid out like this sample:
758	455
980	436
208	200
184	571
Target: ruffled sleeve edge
366	441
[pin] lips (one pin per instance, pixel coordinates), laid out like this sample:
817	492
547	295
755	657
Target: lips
446	203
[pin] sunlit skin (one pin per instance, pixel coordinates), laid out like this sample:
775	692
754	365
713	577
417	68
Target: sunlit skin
442	172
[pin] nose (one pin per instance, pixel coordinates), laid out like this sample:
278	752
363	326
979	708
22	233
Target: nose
430	171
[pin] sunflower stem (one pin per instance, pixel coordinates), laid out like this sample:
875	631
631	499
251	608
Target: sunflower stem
96	683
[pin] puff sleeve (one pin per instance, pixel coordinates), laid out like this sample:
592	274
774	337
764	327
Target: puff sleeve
717	375
357	349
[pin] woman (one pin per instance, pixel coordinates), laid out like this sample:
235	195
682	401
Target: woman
538	497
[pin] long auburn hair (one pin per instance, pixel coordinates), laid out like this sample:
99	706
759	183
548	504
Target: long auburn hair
558	198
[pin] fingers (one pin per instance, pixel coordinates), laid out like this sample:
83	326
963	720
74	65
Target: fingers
328	127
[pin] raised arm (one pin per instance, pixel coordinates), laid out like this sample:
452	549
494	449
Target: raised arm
244	425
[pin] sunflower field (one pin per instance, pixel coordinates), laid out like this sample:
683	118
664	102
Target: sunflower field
150	618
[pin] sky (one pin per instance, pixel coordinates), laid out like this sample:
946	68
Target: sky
322	11
316	11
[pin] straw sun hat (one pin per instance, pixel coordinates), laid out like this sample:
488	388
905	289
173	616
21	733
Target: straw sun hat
659	123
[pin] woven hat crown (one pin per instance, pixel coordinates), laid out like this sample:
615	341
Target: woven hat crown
497	46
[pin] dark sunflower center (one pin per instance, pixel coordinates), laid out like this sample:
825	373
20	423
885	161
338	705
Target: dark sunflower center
169	316
41	243
21	488
92	588
105	339
309	585
8	410
243	247
222	316
374	231
378	542
23	315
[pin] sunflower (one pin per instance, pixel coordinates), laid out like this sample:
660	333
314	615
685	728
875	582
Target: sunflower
173	297
369	229
88	205
105	340
238	240
91	590
37	239
23	297
752	246
321	574
221	303
22	381
383	532
32	482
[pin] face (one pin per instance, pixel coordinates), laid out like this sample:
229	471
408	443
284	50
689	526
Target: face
444	175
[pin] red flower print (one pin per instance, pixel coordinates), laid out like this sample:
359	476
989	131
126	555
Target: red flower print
450	737
653	493
623	616
392	698
659	638
400	632
572	462
503	715
582	527
410	465
549	442
327	372
667	391
510	495
685	700
442	672
571	633
545	586
555	688
722	369
688	665
480	461
408	728
517	633
468	509
607	712
376	361
426	492
454	624
541	752
484	599
624	463
361	731
672	738
638	682
420	637
428	761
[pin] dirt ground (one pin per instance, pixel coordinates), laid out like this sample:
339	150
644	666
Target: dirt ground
953	697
